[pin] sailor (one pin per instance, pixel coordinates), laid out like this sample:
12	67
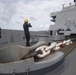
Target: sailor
74	0
26	26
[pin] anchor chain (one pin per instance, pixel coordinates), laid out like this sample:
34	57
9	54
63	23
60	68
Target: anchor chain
54	46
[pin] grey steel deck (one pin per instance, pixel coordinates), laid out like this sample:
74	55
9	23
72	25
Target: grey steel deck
68	67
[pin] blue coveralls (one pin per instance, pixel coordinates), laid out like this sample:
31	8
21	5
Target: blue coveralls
27	33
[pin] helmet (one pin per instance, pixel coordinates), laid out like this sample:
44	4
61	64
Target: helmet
26	20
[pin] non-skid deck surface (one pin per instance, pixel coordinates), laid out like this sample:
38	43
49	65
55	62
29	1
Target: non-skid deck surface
69	48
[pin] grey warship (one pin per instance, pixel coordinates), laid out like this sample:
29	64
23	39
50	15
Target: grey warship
12	46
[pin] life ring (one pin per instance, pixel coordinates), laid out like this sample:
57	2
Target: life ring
44	53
